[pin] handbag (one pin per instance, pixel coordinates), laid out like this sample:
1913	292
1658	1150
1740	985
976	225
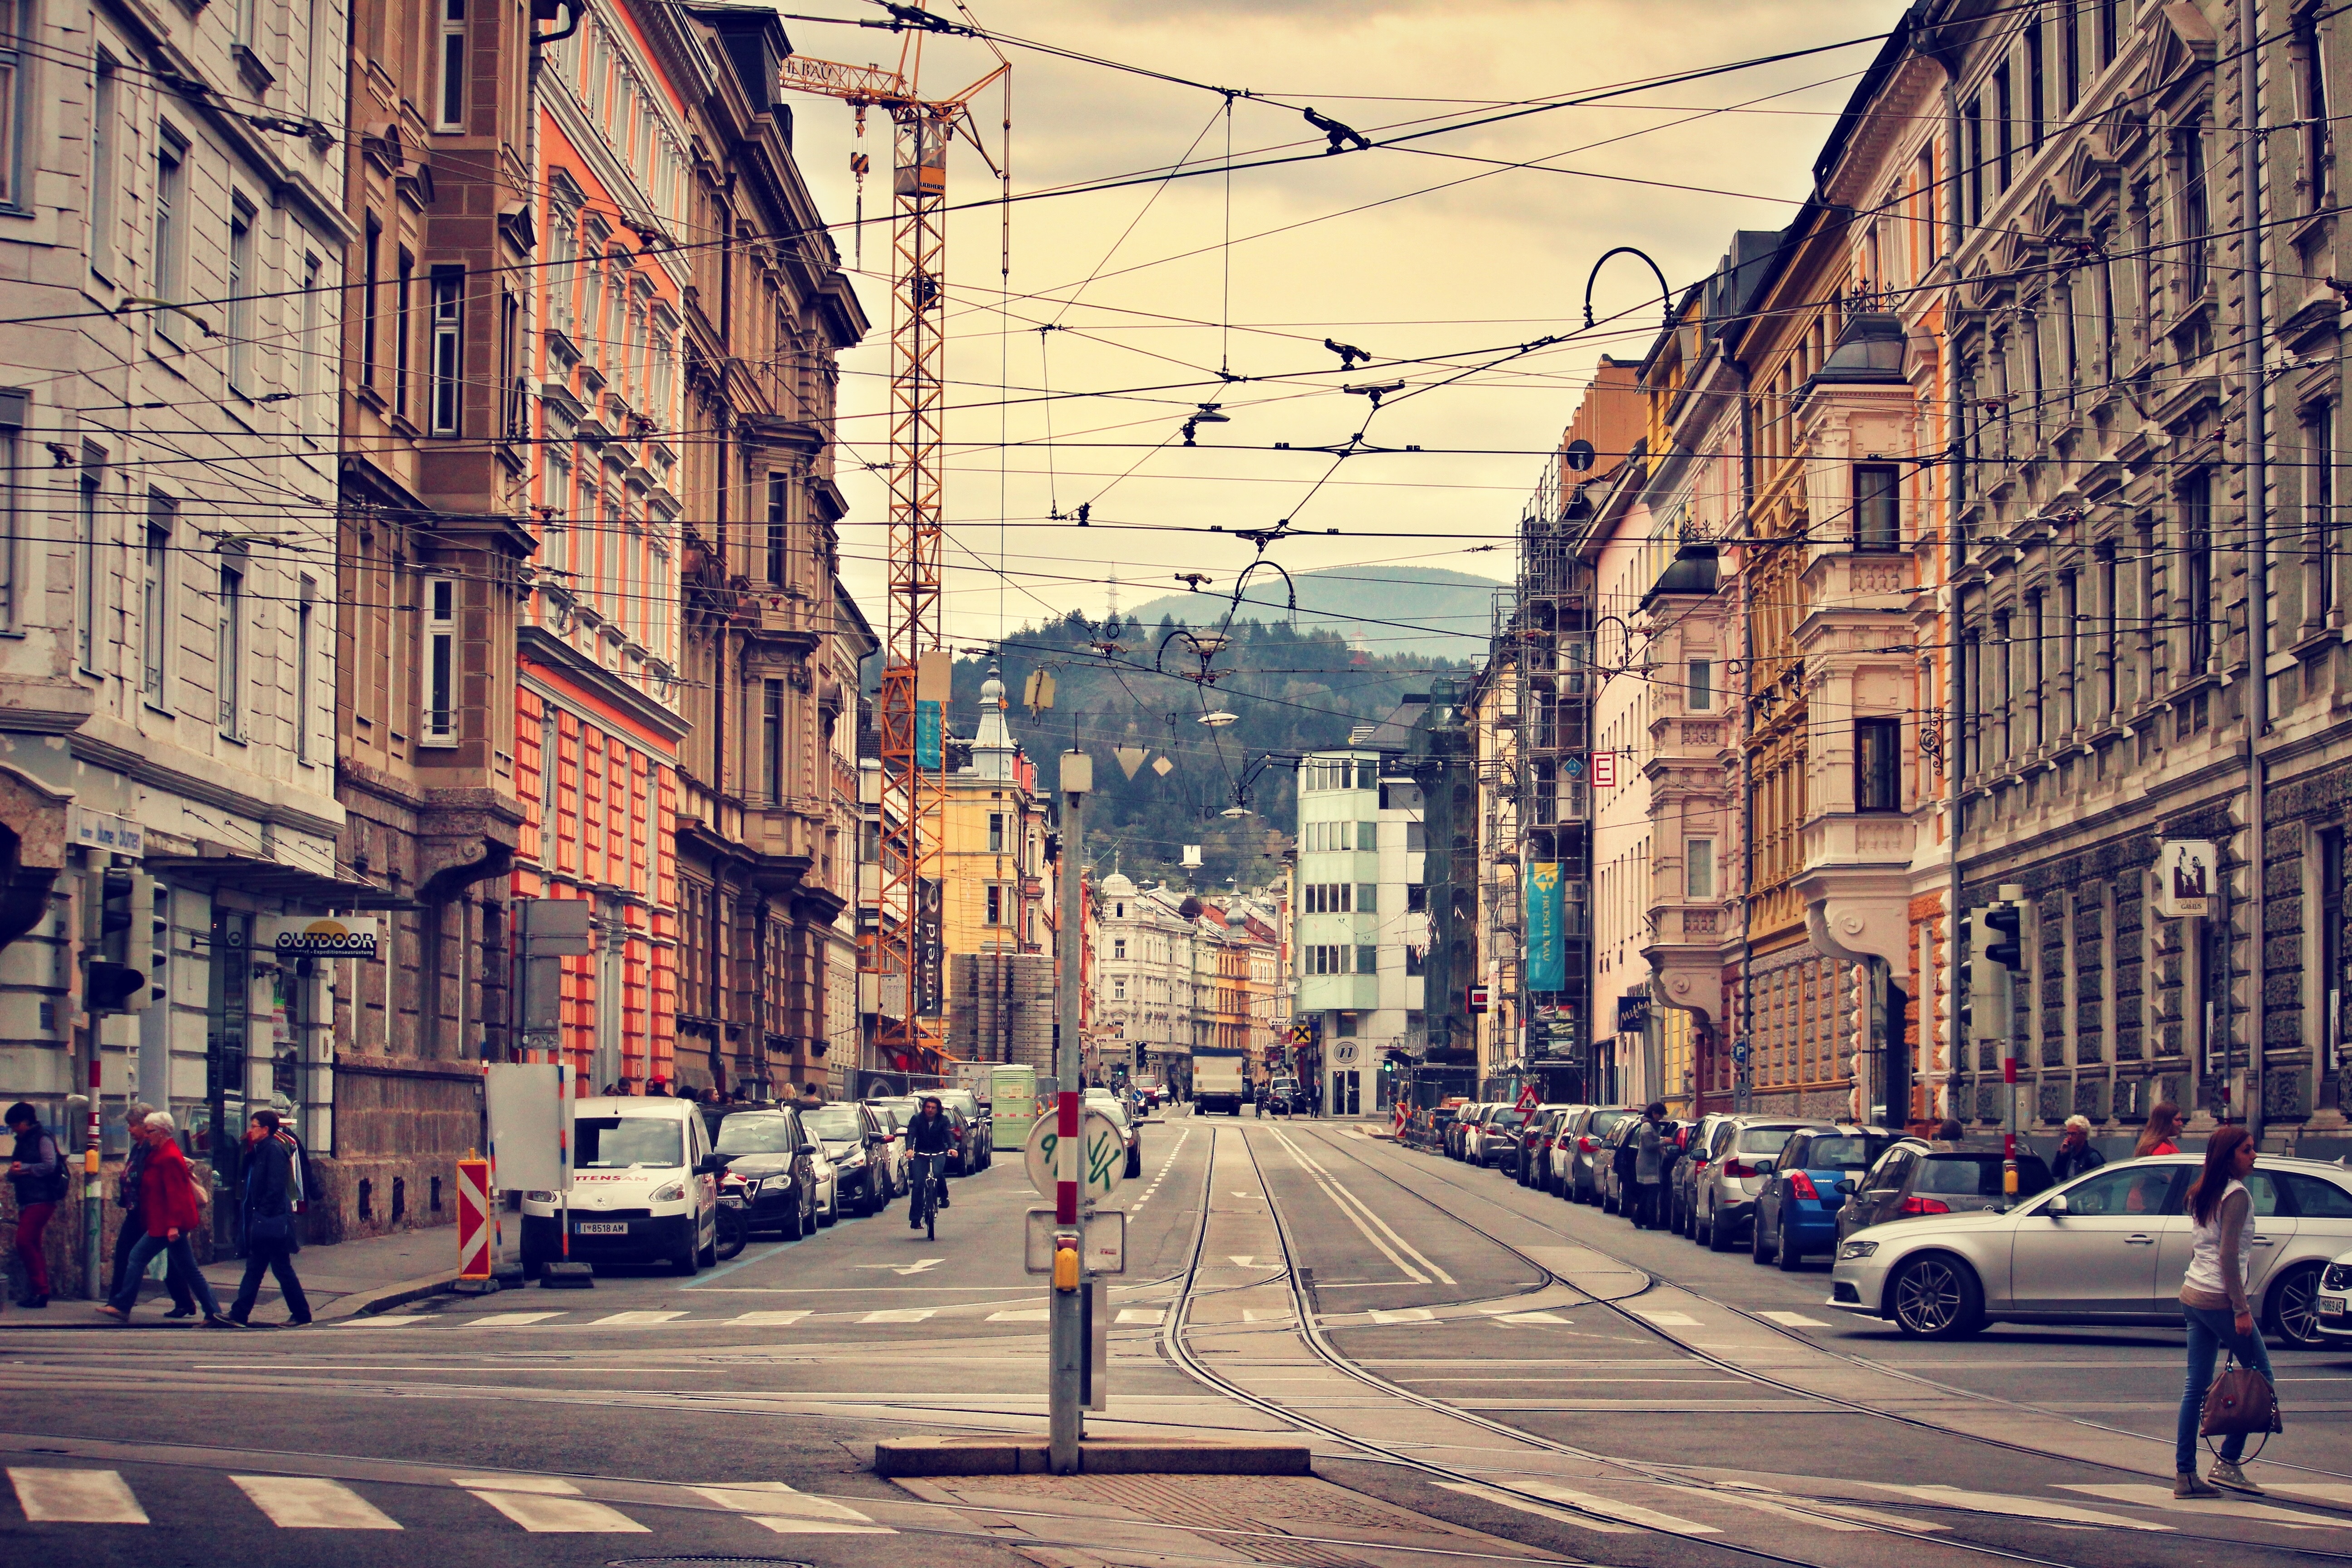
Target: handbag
270	1228
2240	1403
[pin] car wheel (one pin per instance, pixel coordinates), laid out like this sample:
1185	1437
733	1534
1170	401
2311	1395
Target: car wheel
1936	1298
1135	1164
1720	1235
796	1223
2294	1308
688	1258
1755	1253
1791	1258
830	1212
709	1258
1701	1231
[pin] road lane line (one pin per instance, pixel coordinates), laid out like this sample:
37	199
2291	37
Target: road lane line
76	1496
1142	1315
1024	1315
1632	1513
1526	1318
380	1323
1662	1318
2004	1503
312	1503
2148	1495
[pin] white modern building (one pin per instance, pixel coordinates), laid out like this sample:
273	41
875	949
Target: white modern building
1361	920
1149	993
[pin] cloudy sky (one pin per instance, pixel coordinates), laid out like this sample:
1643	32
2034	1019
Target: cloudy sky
1433	255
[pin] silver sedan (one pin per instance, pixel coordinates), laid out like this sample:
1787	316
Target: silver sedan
2109	1247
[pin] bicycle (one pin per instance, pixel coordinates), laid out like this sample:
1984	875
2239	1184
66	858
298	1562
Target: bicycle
926	1196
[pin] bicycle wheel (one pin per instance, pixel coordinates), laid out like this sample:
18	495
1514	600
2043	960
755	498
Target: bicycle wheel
932	1211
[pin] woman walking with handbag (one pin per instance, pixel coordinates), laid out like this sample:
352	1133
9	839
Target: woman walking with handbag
2213	1299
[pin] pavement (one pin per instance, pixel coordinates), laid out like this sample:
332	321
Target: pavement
1479	1372
346	1279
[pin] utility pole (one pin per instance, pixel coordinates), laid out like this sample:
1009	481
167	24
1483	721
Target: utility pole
2007	921
1066	1336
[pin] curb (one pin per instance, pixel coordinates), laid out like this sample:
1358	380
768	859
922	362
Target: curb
384	1297
996	1456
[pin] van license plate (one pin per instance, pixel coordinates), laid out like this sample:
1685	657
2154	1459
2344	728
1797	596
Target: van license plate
603	1227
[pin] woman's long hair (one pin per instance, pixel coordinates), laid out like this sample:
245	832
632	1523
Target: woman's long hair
2163	1123
2221	1170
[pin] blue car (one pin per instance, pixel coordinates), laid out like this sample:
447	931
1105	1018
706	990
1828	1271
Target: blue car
1797	1210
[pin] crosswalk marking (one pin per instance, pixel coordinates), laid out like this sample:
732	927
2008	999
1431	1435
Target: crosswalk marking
1021	1315
1141	1314
2000	1503
1252	1315
312	1503
1630	1513
1406	1315
546	1506
898	1315
408	1323
1558	1515
1792	1320
75	1497
1531	1318
1664	1320
624	1320
510	1319
2318	1491
776	1507
2150	1496
770	1319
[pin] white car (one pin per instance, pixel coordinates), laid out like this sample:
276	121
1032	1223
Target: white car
644	1188
2333	1306
828	1187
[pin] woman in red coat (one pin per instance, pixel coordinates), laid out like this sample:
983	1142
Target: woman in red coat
167	1192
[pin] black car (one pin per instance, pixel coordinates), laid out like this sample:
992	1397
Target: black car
857	1140
975	1133
774	1155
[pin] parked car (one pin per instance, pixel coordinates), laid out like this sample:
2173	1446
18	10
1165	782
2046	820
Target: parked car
1433	1124
1497	1142
1698	1151
853	1139
1797	1207
645	1189
1723	1196
1914	1178
1581	1150
1129	1129
1609	1191
972	1149
2109	1247
1465	1117
2332	1305
1283	1097
777	1161
892	1117
1533	1165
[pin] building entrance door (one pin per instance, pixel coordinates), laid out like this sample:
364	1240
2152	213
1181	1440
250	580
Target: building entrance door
1346	1092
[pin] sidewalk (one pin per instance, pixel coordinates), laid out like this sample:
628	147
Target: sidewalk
344	1281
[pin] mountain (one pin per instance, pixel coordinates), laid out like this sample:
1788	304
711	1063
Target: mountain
1424	610
1290	690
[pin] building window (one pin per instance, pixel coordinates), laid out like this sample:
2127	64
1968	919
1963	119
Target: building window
2004	127
2312	71
164	272
104	155
14	408
228	652
1367	897
240	299
2329	845
1877	509
448	361
155	597
1118	947
1974	164
403	296
1368	961
453	66
370	262
771	739
2110	18
1416	900
1698	690
996	905
1698	870
2035	97
996	833
779	532
2196	219
2070	53
305	632
90	594
309	351
1118	989
2319	456
1877	767
2197	571
440	717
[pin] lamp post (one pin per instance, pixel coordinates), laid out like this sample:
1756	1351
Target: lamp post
1067	1327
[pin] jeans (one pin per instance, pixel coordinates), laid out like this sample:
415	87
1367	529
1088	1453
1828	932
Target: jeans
182	1265
31	1220
276	1257
2209	1330
922	1171
132	1231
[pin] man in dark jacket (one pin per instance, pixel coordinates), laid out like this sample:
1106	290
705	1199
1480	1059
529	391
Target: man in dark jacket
929	1136
2075	1153
272	1185
135	1214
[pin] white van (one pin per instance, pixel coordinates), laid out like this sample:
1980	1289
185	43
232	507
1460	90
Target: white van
644	1188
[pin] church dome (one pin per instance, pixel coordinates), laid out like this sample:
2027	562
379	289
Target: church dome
1118	885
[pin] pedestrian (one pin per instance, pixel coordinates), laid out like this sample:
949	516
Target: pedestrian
1950	1131
2213	1299
167	1191
1648	1170
135	1214
2075	1154
658	1088
272	1188
37	1172
2160	1135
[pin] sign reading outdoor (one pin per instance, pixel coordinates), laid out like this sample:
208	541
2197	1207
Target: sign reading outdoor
318	936
1102	1160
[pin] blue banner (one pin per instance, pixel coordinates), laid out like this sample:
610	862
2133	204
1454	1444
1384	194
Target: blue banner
1547	963
927	736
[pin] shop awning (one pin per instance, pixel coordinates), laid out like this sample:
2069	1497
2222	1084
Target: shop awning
221	865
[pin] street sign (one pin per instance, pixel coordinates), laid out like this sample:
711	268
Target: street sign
1344	1053
1604	769
1529	1098
1102	1241
1478	998
1739	1050
474	1261
317	936
1102	1161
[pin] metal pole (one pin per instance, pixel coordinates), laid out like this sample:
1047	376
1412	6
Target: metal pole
2011	893
1064	1301
2258	552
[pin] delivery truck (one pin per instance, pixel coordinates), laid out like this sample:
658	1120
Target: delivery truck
1220	1079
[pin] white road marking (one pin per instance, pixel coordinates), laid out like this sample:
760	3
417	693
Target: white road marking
1665	1319
1242	1261
76	1496
2002	1503
1406	1315
1252	1315
1558	1515
770	1319
1364	1219
1630	1513
1024	1315
1792	1320
919	1266
1142	1315
2326	1491
898	1315
627	1320
312	1503
2151	1496
778	1508
1821	1515
508	1319
380	1323
1532	1317
546	1506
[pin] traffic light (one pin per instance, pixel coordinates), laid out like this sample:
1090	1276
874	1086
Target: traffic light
1985	1006
117	987
119	957
2006	946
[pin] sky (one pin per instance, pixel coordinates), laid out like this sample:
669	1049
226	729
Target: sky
1156	290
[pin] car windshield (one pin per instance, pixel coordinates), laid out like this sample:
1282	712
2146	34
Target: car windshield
1853	1152
1976	1175
1603	1120
757	1135
1509	1116
838	1123
1765	1140
959	1099
617	1142
1115	1109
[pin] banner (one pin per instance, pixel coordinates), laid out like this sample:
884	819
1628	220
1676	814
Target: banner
1547	963
927	737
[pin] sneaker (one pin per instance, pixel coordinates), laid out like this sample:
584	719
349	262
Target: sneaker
215	1320
109	1309
181	1312
2186	1484
2225	1473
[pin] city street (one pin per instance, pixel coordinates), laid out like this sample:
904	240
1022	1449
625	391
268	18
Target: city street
1486	1372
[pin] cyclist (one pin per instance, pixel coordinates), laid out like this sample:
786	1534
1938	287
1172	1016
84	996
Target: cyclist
929	1136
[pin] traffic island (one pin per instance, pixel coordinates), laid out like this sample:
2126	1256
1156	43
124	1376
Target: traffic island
1004	1456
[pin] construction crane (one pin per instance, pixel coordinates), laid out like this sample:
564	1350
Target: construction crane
906	949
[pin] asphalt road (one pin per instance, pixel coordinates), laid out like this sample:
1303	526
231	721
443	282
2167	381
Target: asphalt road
1487	1373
